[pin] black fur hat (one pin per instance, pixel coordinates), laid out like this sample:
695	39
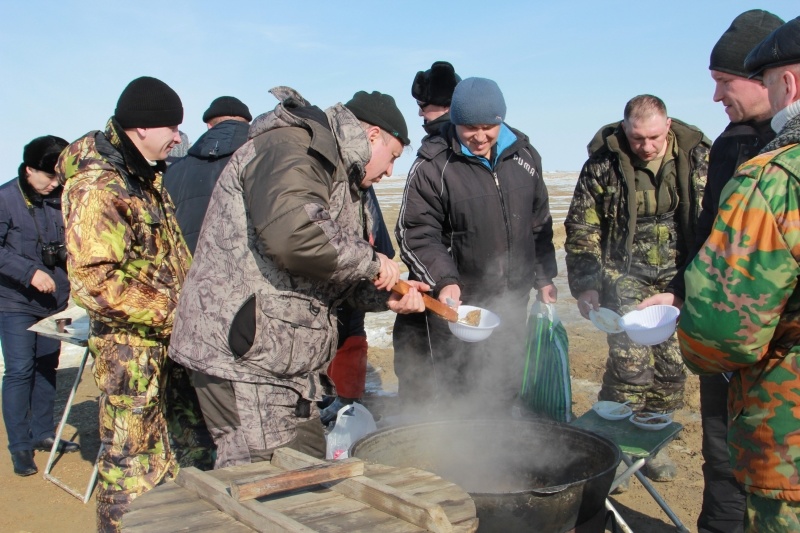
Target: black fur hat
435	85
42	153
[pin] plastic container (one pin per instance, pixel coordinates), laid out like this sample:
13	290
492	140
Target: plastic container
352	422
651	422
612	410
651	325
466	333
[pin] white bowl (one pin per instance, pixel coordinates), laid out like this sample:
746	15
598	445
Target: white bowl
612	410
649	423
651	325
466	333
605	320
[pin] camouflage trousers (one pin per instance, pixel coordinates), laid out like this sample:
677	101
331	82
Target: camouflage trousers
766	515
150	423
650	377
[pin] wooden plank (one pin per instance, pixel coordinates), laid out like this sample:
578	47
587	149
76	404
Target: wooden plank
410	508
230	473
267	484
367	521
251	513
332	509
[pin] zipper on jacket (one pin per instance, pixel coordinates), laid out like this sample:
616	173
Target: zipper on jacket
505	219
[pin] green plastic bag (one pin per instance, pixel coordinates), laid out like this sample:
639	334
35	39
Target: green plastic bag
546	385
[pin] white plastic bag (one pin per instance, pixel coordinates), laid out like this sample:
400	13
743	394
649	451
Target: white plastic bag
348	429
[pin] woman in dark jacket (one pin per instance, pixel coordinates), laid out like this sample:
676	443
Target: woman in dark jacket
33	285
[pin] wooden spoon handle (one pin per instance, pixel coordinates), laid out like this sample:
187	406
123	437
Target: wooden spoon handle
431	304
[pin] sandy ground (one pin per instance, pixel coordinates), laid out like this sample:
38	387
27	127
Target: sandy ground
33	504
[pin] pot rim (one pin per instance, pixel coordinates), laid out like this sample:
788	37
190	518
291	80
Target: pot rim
530	421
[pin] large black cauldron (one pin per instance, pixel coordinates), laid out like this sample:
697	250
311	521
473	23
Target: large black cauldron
524	475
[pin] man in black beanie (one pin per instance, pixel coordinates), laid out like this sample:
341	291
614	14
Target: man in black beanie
285	242
433	91
191	179
747	106
127	262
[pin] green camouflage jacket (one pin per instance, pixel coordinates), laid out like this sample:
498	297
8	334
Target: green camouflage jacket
127	258
601	220
742	314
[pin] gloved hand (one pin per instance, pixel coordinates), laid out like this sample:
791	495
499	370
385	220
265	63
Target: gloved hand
328	415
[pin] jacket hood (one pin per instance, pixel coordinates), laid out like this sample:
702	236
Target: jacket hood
221	140
350	144
609	137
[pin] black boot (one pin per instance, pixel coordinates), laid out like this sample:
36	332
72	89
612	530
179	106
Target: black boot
23	463
64	446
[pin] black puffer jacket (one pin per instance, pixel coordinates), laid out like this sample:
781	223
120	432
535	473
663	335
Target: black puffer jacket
489	231
191	180
739	142
21	240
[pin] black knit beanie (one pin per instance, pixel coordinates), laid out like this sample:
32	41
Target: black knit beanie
227	106
435	85
148	103
380	110
42	153
746	31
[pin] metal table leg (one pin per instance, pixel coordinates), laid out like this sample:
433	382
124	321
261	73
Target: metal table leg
54	450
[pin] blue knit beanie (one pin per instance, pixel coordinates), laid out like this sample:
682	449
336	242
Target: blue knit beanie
477	101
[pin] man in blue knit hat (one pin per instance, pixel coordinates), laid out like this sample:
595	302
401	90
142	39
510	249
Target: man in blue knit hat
475	225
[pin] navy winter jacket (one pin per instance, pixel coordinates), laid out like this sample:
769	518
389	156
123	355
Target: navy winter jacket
21	241
191	180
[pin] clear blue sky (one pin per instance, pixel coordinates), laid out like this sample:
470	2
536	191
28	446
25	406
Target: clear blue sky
566	67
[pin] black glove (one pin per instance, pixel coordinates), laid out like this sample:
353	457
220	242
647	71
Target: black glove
328	415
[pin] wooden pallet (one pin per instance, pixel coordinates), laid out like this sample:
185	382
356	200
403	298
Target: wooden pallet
297	493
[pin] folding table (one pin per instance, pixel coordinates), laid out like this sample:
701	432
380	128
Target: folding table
637	445
77	335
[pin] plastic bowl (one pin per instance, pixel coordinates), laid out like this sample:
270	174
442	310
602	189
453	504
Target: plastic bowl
651	422
612	410
466	333
651	325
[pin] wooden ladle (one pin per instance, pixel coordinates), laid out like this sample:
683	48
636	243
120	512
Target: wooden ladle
431	304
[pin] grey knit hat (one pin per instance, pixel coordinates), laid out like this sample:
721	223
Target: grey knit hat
746	31
477	101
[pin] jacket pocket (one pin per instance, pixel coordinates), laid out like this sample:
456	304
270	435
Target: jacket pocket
280	335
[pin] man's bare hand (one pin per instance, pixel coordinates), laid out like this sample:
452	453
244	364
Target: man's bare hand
412	301
664	298
42	282
548	294
450	293
588	301
388	275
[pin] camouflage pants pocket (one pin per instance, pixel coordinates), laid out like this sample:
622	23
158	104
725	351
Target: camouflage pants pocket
135	430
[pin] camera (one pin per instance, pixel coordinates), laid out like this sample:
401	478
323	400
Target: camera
54	253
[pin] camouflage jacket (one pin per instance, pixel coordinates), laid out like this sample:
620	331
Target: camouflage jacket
742	314
281	247
601	221
127	259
